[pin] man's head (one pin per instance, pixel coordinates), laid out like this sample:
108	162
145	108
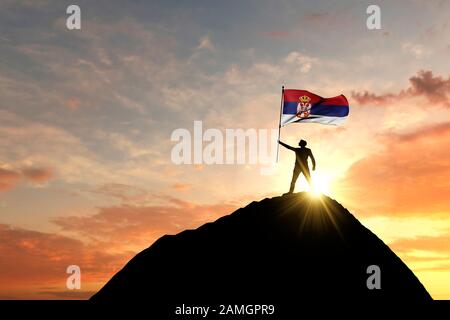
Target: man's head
302	143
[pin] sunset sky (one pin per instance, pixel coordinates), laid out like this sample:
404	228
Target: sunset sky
86	116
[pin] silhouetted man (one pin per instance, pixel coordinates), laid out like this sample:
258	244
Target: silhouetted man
301	163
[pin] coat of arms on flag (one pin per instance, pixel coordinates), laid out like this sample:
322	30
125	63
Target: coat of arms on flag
304	107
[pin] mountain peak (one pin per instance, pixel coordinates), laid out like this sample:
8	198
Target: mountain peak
292	247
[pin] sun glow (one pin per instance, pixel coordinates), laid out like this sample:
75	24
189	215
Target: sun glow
321	184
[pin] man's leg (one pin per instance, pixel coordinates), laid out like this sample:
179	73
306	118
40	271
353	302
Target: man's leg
307	175
294	179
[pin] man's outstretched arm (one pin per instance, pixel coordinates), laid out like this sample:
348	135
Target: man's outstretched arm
286	145
312	160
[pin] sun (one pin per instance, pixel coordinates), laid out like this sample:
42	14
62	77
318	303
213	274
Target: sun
321	183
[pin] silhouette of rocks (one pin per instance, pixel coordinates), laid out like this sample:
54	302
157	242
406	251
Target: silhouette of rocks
294	248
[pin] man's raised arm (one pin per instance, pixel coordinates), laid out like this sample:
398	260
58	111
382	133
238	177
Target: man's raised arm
286	145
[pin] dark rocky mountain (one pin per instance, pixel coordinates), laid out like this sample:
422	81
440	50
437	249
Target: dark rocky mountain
294	248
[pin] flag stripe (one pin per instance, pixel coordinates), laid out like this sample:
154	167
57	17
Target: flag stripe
291	95
318	109
286	119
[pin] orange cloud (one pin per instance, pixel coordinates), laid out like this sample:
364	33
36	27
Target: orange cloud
8	179
127	224
36	262
33	262
73	103
367	97
181	186
409	176
37	175
435	88
124	192
439	244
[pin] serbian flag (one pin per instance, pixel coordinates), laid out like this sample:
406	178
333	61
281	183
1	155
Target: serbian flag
304	106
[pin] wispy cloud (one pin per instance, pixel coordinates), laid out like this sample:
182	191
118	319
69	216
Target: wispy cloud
39	259
35	176
408	176
125	226
436	89
8	179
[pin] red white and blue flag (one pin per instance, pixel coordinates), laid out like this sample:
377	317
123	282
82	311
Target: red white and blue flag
304	106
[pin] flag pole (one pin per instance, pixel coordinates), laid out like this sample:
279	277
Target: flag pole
279	122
